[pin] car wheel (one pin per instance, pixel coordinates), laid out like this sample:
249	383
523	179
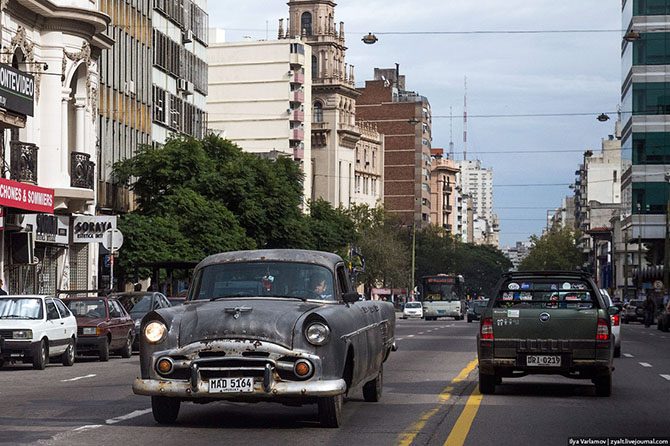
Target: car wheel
666	326
127	350
103	355
617	352
330	411
469	319
603	385
41	356
487	384
372	390
2	362
68	356
165	409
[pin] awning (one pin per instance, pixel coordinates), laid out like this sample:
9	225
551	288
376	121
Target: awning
26	197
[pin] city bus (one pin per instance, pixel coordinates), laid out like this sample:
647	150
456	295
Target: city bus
443	295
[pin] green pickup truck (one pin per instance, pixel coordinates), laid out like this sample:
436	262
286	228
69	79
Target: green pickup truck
553	323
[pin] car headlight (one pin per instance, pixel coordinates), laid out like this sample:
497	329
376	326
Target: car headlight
89	331
317	333
22	334
155	332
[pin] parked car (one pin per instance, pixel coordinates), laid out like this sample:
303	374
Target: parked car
554	323
663	320
35	329
616	322
104	326
412	310
138	304
633	311
475	308
281	326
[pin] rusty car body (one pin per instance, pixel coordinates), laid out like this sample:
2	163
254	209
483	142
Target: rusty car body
252	330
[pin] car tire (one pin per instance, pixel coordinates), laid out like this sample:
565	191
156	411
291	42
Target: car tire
41	356
666	326
103	354
372	390
67	359
617	352
164	409
487	384
469	319
603	385
127	350
2	362
330	411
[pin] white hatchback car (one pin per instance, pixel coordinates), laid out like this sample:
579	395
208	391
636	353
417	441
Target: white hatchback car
412	309
616	324
36	328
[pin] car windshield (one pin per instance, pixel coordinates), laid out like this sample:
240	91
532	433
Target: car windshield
135	303
264	279
559	293
413	305
87	308
21	308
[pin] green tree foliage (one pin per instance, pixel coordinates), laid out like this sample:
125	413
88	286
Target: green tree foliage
555	250
331	229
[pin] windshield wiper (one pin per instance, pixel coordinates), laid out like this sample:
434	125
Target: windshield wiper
228	296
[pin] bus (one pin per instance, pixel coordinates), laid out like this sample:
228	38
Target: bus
443	295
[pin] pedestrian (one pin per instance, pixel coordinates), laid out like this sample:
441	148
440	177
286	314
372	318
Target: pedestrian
2	290
649	310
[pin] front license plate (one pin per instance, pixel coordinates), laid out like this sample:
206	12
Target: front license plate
543	361
441	311
231	385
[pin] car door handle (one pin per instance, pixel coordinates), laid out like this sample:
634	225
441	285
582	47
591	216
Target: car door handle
62	323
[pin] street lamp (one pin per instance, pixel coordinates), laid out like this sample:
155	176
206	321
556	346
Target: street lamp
632	36
603	117
370	39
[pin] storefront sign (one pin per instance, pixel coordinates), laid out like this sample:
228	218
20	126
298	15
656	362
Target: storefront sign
25	196
89	229
48	228
17	90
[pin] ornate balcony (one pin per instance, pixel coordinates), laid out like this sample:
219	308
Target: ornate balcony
82	171
23	157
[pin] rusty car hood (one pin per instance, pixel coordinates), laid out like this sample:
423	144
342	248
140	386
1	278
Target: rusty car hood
270	320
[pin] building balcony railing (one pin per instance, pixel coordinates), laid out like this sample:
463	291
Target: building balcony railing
298	134
447	207
298	116
298	77
82	171
448	227
298	96
23	157
299	153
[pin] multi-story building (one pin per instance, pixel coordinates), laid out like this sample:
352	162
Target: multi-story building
443	196
260	97
49	82
404	117
369	167
476	182
645	136
516	254
335	134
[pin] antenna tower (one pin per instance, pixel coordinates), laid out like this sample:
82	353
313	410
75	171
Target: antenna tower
465	121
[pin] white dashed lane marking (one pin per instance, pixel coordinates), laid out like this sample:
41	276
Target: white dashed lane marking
645	364
137	413
420	332
628	355
77	378
666	377
410	336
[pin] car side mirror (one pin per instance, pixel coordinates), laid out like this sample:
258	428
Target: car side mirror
612	311
350	298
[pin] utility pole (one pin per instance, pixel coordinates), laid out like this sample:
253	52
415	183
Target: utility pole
413	257
625	266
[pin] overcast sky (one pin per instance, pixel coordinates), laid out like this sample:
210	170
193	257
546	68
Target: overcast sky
507	74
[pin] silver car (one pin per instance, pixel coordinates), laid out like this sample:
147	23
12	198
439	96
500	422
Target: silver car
272	325
616	324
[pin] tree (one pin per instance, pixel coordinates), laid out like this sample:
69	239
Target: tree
331	229
555	250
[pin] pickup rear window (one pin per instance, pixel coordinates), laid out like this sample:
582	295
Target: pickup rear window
546	293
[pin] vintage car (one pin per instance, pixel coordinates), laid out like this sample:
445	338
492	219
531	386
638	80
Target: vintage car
271	325
103	325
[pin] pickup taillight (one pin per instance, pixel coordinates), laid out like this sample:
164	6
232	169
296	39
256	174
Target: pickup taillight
486	329
603	331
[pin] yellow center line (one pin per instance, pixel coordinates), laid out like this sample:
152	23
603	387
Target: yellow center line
407	437
460	431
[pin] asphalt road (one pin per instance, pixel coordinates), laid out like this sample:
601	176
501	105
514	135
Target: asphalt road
429	397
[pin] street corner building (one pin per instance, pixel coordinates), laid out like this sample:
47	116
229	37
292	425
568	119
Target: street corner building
49	82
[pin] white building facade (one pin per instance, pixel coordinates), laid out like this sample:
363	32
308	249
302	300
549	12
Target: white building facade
260	96
476	183
52	49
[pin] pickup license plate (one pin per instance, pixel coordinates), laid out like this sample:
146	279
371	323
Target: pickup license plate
231	385
543	361
441	311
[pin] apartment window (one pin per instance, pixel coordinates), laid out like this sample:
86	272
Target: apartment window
306	23
317	112
651	7
651	148
652	49
651	98
650	198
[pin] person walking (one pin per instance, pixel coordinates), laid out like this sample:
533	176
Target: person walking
649	310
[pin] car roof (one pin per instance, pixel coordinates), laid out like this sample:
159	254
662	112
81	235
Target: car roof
27	296
326	259
69	298
548	273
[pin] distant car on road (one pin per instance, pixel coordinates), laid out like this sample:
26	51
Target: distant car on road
475	308
36	328
412	310
282	326
546	322
138	304
104	326
616	323
663	320
633	311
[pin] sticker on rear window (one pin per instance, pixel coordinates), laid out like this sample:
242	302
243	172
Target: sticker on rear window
512	313
567	286
554	287
525	296
513	286
508	296
526	286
